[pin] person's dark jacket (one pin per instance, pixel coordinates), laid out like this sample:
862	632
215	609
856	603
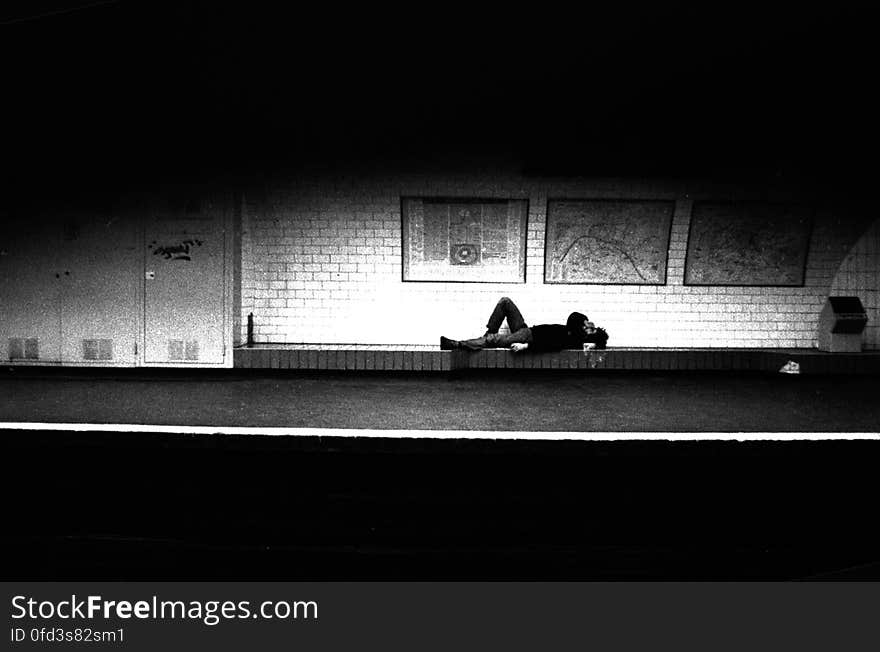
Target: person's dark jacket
555	337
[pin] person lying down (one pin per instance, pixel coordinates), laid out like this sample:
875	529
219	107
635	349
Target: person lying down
577	331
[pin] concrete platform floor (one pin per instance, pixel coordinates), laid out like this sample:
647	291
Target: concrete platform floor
500	401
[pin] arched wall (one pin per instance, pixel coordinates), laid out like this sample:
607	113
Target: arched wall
859	275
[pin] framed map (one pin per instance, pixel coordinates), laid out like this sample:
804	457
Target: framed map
747	243
607	241
464	240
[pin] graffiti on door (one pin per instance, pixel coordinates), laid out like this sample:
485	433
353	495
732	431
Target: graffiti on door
180	251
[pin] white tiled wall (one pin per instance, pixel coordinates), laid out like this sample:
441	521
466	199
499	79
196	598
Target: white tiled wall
322	264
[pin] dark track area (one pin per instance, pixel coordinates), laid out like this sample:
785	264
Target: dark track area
172	507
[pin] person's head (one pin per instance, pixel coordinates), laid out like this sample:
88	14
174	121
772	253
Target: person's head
576	323
580	326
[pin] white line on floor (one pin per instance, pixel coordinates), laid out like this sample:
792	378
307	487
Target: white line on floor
439	434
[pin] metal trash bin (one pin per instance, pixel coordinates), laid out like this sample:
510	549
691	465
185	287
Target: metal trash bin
841	323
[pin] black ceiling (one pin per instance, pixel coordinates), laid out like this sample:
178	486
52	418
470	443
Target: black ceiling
117	87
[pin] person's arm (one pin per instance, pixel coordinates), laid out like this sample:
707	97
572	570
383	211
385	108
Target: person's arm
516	347
599	337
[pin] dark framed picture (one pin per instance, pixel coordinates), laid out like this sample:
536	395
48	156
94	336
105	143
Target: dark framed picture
748	243
607	241
464	240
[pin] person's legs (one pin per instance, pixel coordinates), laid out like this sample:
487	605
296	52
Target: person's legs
505	309
498	341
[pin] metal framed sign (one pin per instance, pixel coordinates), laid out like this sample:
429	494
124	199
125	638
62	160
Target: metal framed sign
747	243
464	240
607	241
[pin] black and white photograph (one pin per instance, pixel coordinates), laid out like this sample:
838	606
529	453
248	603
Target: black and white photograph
439	293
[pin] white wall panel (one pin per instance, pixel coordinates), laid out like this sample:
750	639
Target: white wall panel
99	318
184	292
30	289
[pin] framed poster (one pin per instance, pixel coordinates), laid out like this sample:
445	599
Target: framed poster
464	240
747	243
607	241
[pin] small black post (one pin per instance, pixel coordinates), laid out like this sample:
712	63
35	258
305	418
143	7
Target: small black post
250	332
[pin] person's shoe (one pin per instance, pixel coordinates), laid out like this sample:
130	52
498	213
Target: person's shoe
446	344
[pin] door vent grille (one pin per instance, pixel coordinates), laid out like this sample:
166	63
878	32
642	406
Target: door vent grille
175	349
98	349
24	348
183	349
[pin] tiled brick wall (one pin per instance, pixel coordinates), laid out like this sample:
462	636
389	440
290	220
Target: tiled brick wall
322	263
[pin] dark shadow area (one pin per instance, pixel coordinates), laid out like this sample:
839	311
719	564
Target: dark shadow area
137	507
132	94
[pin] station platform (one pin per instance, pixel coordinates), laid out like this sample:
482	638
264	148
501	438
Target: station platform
495	401
428	358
